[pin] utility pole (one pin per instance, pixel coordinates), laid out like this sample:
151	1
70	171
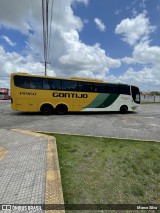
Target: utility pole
45	66
45	31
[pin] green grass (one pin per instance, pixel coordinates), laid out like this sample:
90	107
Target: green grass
150	103
108	171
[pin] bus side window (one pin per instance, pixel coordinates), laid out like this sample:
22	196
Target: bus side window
70	85
85	87
36	83
99	88
46	83
56	84
22	81
124	89
112	88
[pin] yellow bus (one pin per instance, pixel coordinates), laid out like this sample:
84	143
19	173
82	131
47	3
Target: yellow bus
33	93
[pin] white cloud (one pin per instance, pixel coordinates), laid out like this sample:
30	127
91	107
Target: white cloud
135	29
142	4
68	55
148	56
136	32
82	57
100	25
144	79
128	60
134	12
14	62
11	43
117	12
158	8
145	54
81	1
85	21
15	15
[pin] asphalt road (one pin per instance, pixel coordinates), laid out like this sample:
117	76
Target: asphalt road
145	124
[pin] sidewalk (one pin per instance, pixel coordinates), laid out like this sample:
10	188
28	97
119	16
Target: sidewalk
29	169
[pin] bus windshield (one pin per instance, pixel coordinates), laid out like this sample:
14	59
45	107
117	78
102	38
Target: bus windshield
136	94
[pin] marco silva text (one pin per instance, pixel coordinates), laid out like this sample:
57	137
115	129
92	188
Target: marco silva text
145	207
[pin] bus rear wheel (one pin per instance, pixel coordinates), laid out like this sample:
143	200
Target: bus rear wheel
61	109
47	109
123	109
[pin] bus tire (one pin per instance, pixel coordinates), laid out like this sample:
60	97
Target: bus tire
61	109
123	109
47	109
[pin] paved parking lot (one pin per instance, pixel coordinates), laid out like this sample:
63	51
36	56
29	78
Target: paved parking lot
145	124
28	171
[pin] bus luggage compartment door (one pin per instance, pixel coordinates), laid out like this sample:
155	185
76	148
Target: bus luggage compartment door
22	104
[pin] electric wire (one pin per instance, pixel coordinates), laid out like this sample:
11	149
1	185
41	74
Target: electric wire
56	27
34	19
50	31
43	28
47	17
47	2
44	34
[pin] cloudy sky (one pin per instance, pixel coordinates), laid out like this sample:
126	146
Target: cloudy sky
113	40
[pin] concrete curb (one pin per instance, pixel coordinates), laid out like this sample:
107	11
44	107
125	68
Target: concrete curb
94	136
53	192
3	152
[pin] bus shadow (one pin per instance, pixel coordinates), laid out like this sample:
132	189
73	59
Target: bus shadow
99	113
70	113
26	114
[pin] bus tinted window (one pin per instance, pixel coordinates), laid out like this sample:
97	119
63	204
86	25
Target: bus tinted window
70	85
100	88
124	89
136	94
46	83
56	84
85	87
22	81
36	83
112	88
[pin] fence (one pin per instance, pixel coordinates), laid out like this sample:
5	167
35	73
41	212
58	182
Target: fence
150	98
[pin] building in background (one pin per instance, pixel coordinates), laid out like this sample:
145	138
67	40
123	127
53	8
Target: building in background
150	97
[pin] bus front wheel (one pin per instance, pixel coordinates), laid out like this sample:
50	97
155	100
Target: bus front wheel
61	109
123	109
47	109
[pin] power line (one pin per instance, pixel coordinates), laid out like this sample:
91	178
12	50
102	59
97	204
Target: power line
50	31
34	22
56	25
47	18
47	1
34	17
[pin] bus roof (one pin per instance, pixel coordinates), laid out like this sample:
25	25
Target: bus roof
87	79
72	78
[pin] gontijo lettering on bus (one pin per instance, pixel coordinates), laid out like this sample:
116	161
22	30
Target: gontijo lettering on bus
69	95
